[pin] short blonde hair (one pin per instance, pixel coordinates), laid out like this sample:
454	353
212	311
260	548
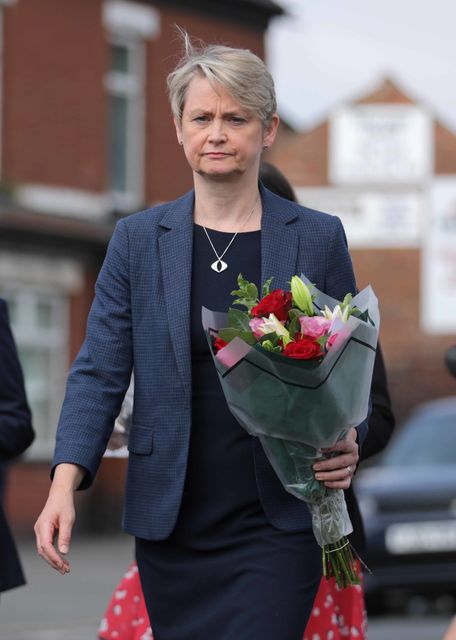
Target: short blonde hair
243	74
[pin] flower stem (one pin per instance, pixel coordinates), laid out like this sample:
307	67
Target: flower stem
339	562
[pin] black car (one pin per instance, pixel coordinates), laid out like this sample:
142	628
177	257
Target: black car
408	502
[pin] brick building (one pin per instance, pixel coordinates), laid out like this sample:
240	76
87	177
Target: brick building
86	136
387	167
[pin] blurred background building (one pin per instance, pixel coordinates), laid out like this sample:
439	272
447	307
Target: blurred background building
87	136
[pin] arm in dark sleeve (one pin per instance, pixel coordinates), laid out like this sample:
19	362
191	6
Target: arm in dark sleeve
100	374
381	420
16	432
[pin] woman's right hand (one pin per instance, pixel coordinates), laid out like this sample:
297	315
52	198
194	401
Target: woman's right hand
57	517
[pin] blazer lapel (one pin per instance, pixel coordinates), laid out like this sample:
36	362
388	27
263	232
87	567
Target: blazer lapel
175	249
279	240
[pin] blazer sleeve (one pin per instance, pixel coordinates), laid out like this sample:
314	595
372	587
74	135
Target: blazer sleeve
100	374
16	431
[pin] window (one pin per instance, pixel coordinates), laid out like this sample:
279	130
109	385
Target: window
427	439
125	88
39	323
128	26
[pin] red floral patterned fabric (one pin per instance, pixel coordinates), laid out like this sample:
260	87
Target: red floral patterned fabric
338	614
126	616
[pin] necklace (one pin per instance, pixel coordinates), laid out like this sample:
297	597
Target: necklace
220	265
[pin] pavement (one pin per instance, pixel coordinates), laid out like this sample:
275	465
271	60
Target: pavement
55	607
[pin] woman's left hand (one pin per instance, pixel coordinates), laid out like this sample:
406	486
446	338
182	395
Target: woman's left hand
337	472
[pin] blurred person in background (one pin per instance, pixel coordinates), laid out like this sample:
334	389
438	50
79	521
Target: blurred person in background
16	434
223	551
336	612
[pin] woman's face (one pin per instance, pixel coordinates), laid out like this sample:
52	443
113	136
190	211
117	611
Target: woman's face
221	138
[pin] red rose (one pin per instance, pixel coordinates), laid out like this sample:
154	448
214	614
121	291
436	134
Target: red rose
219	344
304	349
277	302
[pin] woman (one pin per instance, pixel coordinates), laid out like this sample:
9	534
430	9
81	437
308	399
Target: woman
336	613
222	550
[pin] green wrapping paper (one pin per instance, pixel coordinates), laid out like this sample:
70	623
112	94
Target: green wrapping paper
298	407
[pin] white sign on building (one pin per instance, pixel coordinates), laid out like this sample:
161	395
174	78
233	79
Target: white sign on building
387	218
438	281
380	144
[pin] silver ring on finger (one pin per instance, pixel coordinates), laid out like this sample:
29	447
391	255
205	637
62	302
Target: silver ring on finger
349	469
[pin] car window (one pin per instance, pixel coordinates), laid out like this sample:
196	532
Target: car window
426	439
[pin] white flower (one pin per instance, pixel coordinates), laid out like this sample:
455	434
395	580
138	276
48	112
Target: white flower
273	325
336	313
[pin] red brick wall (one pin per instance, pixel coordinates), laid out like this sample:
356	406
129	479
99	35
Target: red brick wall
303	158
55	111
80	304
445	144
26	492
54	107
415	361
97	509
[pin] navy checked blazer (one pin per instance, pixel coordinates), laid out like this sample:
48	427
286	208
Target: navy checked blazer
141	317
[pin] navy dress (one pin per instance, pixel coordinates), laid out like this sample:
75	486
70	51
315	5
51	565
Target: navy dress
225	573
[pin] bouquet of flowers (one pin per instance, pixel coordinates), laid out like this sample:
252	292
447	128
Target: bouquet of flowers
296	368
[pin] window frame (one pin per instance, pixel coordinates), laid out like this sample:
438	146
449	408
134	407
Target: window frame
129	85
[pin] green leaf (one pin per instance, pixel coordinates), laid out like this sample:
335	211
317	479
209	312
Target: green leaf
247	293
238	320
362	315
273	339
295	326
250	291
246	289
246	302
266	287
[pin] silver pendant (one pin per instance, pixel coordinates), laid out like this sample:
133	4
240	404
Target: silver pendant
219	266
